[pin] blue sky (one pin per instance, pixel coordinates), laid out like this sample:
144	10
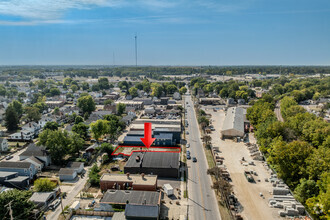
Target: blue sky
170	32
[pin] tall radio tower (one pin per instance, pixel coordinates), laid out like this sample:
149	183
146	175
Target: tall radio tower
135	49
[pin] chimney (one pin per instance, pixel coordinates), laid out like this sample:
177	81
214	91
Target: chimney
30	124
127	174
142	174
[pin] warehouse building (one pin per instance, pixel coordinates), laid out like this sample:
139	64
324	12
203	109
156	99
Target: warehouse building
233	125
156	163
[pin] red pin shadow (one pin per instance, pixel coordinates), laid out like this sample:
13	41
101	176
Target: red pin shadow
147	139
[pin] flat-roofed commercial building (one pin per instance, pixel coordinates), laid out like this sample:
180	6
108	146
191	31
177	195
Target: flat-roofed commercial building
128	181
161	164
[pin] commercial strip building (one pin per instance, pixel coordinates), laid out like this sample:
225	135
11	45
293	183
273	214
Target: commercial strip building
155	163
166	132
128	181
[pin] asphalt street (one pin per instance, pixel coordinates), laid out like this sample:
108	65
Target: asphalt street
202	203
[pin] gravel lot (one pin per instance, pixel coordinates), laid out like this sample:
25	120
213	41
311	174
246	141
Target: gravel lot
248	194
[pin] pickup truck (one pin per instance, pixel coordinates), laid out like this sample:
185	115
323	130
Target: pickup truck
249	176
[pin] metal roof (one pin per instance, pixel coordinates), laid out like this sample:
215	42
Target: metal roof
133	197
154	160
141	211
234	119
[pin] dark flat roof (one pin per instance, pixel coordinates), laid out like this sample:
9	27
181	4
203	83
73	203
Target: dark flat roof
141	211
154	160
133	197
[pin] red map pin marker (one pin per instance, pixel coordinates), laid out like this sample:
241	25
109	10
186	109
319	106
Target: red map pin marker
147	139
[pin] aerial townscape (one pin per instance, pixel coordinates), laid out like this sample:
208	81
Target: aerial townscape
164	110
237	145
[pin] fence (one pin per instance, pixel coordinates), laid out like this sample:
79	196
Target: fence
93	213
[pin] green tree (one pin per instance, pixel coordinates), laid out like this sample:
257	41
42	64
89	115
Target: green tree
99	128
133	92
306	189
11	119
108	102
156	89
94	176
121	107
76	143
86	104
44	185
104	83
290	160
183	90
52	125
57	143
171	88
319	206
54	91
18	108
32	114
78	120
74	88
56	111
20	204
81	129
85	86
2	90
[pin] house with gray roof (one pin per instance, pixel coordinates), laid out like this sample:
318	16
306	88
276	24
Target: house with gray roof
38	152
22	168
137	211
67	174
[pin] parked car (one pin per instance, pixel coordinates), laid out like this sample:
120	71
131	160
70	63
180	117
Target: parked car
187	132
91	204
55	204
194	159
188	152
188	157
9	157
188	145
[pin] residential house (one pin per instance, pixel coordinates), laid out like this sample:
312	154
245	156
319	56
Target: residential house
3	144
138	211
39	165
38	152
22	168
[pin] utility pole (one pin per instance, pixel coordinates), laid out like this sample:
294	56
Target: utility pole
135	50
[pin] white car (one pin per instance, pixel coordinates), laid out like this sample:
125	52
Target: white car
188	145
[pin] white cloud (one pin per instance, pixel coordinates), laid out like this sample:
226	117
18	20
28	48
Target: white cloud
50	9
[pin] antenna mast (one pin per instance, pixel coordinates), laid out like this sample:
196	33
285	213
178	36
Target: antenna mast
135	49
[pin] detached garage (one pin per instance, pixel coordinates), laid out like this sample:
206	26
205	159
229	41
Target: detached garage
67	174
233	125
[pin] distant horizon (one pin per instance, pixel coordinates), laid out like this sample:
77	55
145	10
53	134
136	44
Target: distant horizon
106	65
